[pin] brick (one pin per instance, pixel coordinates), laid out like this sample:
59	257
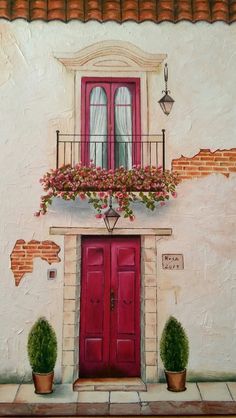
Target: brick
221	158
199	163
205	163
206	168
25	254
20	241
207	158
220	169
229	154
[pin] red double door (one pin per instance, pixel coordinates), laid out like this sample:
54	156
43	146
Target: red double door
110	307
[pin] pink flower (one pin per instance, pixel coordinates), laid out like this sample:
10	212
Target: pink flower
132	218
162	203
37	214
82	196
174	194
98	216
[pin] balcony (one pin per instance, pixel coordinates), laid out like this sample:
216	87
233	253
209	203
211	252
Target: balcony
126	151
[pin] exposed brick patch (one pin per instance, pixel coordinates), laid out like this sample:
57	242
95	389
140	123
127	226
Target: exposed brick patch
206	162
23	254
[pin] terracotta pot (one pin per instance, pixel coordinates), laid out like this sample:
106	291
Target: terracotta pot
176	380
43	382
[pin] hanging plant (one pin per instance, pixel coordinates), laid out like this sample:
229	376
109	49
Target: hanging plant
149	185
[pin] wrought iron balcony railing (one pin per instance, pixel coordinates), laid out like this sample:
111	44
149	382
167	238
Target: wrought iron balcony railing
103	151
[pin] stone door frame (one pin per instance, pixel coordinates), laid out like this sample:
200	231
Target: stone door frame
71	297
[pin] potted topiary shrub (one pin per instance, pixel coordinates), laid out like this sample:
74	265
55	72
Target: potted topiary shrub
174	351
42	353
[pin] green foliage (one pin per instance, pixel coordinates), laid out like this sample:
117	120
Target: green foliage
42	347
174	346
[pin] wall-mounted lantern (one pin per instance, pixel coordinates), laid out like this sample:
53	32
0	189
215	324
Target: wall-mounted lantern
110	217
166	102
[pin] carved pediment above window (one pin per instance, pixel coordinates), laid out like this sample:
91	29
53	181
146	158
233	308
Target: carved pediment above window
111	56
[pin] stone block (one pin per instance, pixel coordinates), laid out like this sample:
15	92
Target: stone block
67	374
150	344
150	318
150	267
70	279
149	254
150	331
70	266
151	358
150	292
151	374
71	292
68	343
70	243
69	318
150	280
68	331
150	305
68	358
69	305
149	241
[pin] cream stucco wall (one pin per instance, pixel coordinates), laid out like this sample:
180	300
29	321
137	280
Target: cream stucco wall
37	97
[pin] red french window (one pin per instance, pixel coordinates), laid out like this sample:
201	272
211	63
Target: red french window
111	122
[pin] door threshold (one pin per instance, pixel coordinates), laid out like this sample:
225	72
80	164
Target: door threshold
109	384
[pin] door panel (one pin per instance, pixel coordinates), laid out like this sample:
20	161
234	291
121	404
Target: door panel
110	307
94	318
125	308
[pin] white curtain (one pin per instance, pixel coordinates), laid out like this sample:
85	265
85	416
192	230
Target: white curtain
123	128
98	127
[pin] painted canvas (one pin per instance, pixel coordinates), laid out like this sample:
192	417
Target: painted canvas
118	186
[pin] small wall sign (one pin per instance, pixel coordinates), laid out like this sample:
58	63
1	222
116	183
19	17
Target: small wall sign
172	261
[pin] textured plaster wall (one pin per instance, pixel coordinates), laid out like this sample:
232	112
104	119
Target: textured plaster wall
37	97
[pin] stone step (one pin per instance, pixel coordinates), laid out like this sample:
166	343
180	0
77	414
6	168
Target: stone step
108	384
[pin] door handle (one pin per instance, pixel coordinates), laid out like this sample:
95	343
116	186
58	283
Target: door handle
112	300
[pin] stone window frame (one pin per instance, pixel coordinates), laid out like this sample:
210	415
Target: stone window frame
115	59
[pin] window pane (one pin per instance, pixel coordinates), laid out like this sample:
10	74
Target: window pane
98	127
123	96
98	96
123	128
